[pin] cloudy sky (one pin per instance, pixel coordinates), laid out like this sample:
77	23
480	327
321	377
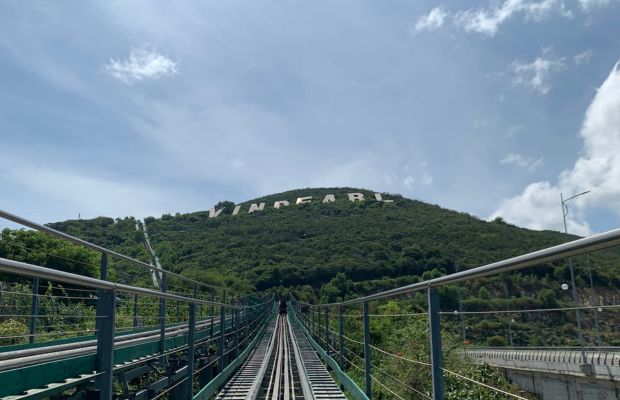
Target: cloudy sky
141	108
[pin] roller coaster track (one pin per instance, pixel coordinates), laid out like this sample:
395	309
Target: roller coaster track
282	367
23	358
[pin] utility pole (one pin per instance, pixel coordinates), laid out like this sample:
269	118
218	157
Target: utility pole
572	277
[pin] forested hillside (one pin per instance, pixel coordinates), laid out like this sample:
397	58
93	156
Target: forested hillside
342	249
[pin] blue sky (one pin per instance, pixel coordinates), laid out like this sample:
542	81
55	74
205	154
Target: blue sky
142	108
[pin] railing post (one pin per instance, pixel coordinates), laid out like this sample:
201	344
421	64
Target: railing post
236	314
435	343
34	310
105	341
162	319
341	337
104	326
584	360
212	312
318	324
135	311
191	338
327	329
221	362
367	365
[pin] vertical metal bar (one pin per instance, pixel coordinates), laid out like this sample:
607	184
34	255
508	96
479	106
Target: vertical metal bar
594	303
367	365
34	310
103	270
212	312
318	324
435	343
341	337
105	342
572	279
577	313
327	329
236	314
162	318
135	311
222	332
191	338
510	339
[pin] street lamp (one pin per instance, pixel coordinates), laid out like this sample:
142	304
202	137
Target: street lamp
572	275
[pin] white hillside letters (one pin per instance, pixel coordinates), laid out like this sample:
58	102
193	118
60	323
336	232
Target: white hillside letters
329	198
281	203
213	213
356	197
254	207
303	200
378	197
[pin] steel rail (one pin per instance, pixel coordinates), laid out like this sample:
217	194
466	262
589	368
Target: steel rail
92	246
119	340
301	367
21	268
577	247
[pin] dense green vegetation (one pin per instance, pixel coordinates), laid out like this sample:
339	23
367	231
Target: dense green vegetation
343	249
334	251
402	365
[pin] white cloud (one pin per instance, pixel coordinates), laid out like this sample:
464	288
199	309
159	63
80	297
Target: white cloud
408	182
142	64
597	169
389	179
420	177
521	161
535	74
432	21
587	5
583	58
64	188
488	21
426	179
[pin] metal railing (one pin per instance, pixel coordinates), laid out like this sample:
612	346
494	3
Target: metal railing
241	316
311	314
110	253
106	310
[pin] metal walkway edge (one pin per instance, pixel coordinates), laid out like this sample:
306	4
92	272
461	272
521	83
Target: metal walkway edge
246	382
321	383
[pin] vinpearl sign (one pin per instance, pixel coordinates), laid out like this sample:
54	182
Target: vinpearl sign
329	198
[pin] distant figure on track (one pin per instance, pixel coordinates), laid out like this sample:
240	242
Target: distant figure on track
283	307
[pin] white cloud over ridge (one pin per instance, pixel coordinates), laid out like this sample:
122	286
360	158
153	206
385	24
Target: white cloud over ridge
434	20
141	64
597	170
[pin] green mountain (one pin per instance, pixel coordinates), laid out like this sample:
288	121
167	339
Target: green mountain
374	244
341	248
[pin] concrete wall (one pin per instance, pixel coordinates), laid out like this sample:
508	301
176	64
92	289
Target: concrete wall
557	387
555	374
